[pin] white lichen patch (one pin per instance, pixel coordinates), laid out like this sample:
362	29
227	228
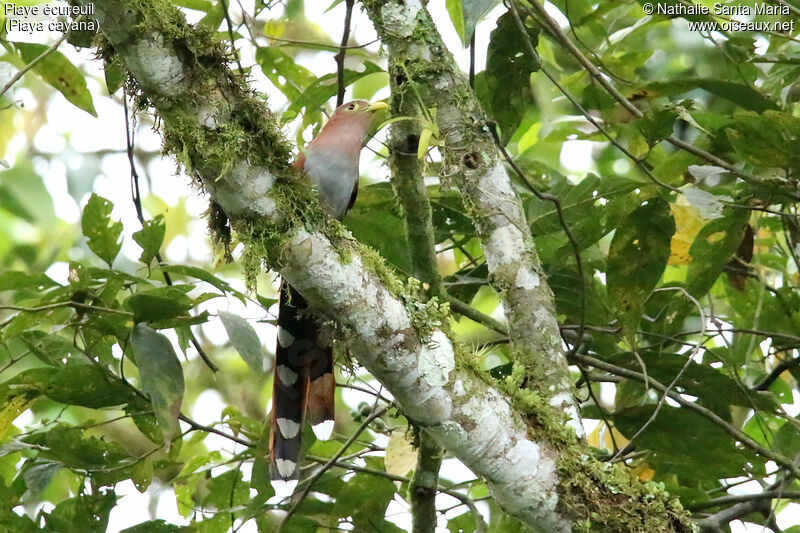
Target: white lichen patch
488	436
526	279
420	52
157	66
504	246
496	185
400	19
563	401
210	117
526	458
245	192
436	360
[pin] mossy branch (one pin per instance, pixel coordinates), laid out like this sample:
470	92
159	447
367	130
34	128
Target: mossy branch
409	185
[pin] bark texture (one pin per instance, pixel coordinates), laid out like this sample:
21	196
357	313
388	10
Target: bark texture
421	67
225	136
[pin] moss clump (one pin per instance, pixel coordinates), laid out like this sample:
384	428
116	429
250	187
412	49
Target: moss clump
426	315
609	498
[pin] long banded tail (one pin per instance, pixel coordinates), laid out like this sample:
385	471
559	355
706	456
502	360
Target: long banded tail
303	383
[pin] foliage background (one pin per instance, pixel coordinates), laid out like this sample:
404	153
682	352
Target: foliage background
696	288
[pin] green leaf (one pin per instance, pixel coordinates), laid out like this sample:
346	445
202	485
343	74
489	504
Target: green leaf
141	413
51	349
321	89
365	499
456	12
114	75
206	276
57	70
738	93
226	490
279	67
712	387
682	443
765	139
15	280
150	238
156	526
657	124
473	10
88	385
11	521
72	448
637	257
463	523
375	222
199	5
39	474
23	194
244	339
587	204
159	304
88	512
712	248
161	376
504	88
102	232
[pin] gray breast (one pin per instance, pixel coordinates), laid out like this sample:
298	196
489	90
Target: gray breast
335	177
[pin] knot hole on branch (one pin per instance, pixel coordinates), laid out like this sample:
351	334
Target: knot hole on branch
411	143
471	160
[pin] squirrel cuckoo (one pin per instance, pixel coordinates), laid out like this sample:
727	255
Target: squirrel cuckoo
303	384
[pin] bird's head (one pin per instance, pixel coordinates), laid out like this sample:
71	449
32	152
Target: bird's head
354	117
358	108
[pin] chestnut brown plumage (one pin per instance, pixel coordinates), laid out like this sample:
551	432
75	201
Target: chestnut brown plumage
303	385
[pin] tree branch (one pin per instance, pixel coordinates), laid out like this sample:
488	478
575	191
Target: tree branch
733	431
421	65
409	185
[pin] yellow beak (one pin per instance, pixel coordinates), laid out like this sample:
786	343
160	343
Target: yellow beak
376	106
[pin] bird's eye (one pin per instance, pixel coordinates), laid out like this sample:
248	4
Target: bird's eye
351	107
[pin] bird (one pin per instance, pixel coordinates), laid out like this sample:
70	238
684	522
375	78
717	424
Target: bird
303	381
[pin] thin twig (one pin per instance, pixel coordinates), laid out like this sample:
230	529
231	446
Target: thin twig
779	369
224	5
342	51
136	196
643	166
476	316
480	525
627	104
323	46
75	305
21	72
739	498
700	410
472	60
689	359
327	466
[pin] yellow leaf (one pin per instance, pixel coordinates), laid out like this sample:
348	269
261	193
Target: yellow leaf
424	142
400	457
594	437
688	224
14	407
643	472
